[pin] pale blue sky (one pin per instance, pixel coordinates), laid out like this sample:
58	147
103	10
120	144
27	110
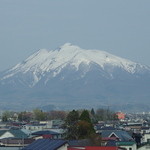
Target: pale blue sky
121	27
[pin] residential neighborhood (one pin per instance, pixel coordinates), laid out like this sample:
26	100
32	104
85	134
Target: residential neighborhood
74	75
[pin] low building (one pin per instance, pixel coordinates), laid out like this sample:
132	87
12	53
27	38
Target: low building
12	134
120	115
130	145
46	135
47	144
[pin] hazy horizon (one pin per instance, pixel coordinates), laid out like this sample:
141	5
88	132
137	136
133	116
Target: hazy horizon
121	28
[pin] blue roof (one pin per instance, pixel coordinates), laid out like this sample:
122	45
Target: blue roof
122	135
45	144
16	133
47	132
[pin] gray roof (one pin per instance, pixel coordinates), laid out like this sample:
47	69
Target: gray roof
122	135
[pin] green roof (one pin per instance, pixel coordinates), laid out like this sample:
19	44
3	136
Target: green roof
15	133
128	143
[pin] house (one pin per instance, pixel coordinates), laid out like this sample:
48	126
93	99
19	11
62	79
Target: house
146	138
96	148
118	135
46	134
35	127
55	123
118	138
14	138
11	142
145	130
47	144
12	134
130	145
145	146
120	115
135	127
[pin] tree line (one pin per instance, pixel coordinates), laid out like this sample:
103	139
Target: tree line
39	115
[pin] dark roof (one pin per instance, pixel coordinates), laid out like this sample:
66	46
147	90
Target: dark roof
111	143
95	148
47	132
83	142
122	135
108	128
145	128
2	132
45	144
16	141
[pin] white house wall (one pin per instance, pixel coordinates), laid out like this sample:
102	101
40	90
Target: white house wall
128	147
6	135
64	147
145	137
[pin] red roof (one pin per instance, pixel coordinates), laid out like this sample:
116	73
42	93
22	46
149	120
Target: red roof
109	138
47	136
101	148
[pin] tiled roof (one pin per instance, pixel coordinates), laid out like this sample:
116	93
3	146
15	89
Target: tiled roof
45	144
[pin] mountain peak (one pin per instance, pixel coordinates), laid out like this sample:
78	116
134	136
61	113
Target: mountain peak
75	76
54	61
66	45
70	47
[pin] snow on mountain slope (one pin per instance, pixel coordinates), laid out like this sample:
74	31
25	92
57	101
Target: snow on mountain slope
72	77
54	61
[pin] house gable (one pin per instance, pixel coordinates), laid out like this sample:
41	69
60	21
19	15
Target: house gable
113	135
7	134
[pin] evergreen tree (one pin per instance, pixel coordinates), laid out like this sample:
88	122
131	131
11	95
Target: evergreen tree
85	116
72	125
93	116
72	117
85	125
92	112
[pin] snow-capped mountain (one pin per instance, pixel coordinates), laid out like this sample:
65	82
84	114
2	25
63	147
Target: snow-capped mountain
69	72
54	61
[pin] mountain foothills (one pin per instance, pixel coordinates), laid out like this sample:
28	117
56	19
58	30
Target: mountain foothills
71	77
